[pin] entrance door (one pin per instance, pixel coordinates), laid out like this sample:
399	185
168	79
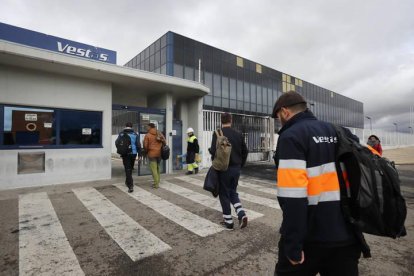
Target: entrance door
140	117
144	118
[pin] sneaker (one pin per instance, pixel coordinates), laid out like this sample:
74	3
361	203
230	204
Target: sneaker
243	222
189	172
195	170
227	226
130	190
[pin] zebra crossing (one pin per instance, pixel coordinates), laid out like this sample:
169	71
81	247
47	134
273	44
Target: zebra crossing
44	248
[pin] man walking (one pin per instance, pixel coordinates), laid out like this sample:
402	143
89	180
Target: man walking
229	179
192	149
314	235
128	158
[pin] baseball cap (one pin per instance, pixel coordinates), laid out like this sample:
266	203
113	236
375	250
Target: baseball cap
287	99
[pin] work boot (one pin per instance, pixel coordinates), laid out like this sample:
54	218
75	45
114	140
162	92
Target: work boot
243	222
189	172
195	170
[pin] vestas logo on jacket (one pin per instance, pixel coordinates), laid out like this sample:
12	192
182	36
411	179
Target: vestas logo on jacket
325	139
72	50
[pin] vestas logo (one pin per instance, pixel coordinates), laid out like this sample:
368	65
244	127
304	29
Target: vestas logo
72	50
325	139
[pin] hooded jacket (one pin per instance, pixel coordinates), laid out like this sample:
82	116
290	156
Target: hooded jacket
152	144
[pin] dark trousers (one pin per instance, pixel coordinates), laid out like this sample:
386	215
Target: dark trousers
335	261
228	192
129	161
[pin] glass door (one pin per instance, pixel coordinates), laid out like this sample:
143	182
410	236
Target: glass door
158	119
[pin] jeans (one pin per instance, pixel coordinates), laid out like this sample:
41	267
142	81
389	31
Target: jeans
327	261
228	193
128	161
154	164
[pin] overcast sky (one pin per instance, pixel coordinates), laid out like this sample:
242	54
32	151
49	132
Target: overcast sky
360	49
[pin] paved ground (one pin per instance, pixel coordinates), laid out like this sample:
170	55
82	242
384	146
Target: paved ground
96	228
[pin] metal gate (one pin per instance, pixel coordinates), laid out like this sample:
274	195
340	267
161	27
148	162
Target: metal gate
257	132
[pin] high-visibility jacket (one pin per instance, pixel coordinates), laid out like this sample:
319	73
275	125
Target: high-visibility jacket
308	186
192	149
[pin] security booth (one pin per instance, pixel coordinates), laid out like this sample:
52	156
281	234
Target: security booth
57	109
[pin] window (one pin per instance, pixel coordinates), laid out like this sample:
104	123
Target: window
33	127
29	126
239	62
80	127
258	68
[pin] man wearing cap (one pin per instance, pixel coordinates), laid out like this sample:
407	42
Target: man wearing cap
314	236
192	149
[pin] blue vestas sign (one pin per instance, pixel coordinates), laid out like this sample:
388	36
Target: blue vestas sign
56	44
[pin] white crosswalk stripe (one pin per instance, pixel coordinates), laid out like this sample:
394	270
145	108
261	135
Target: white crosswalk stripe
272	203
260	188
186	219
204	200
135	240
43	246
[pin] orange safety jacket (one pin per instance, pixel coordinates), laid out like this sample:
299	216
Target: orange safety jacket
308	186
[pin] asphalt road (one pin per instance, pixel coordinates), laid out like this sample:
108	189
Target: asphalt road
96	228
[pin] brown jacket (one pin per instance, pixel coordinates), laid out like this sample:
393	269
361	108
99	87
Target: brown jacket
153	144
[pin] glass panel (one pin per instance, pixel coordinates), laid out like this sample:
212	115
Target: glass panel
225	87
247	106
233	104
163	41
240	105
217	85
217	101
164	69
29	126
163	56
189	73
246	92
225	103
80	127
253	95
152	63
157	60
233	89
178	71
208	80
208	100
239	90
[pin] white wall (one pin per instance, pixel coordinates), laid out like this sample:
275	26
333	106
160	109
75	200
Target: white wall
33	88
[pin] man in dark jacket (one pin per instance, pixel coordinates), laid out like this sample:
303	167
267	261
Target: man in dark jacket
315	238
129	159
230	178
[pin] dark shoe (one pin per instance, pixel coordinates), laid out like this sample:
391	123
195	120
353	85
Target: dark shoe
189	172
243	222
130	190
227	226
195	170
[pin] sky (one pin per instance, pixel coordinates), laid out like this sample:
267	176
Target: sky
360	49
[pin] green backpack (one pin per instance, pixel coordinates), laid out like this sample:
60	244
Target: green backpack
223	150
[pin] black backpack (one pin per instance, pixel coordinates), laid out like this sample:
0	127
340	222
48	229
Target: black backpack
123	144
165	152
373	203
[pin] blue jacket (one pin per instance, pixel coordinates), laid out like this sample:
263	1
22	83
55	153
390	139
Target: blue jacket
308	186
135	143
